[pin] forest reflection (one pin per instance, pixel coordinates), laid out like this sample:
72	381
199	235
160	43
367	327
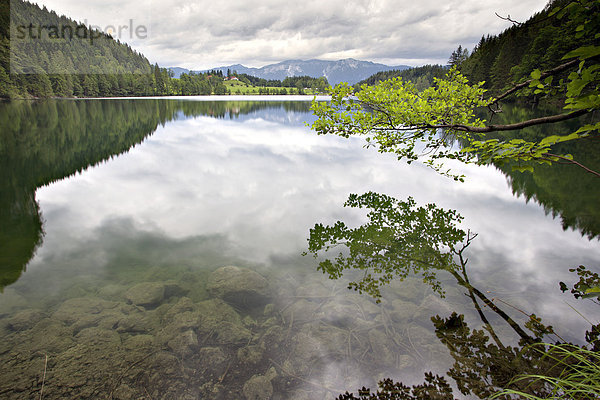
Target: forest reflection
42	142
564	191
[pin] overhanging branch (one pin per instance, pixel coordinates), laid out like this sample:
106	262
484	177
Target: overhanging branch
518	125
509	127
545	74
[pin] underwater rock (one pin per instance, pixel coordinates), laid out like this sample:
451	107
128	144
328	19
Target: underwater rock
339	314
82	308
250	355
239	286
232	333
302	310
124	392
138	342
272	338
184	344
166	365
249	322
99	338
174	289
402	311
139	322
112	291
269	310
316	343
183	304
213	360
331	339
186	321
147	294
213	391
382	347
25	319
108	319
367	305
195	285
259	387
305	354
51	336
212	318
212	313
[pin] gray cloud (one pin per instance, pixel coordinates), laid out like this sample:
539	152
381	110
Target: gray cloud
204	34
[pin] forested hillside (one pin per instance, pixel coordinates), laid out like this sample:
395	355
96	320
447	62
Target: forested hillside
44	66
422	77
69	66
539	42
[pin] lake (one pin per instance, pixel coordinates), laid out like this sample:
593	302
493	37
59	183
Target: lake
152	248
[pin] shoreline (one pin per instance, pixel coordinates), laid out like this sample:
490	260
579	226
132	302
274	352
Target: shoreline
212	97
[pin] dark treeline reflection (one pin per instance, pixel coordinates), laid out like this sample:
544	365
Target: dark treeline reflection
45	141
235	109
565	191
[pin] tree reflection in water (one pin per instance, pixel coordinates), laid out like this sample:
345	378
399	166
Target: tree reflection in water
42	142
401	239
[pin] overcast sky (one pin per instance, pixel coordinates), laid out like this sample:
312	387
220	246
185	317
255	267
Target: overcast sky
209	33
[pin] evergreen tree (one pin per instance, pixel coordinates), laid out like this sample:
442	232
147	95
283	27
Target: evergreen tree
458	56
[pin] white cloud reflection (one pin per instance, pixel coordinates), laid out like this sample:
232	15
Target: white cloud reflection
251	189
263	185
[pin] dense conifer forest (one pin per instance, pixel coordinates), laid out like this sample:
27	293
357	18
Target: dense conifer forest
422	77
540	42
62	58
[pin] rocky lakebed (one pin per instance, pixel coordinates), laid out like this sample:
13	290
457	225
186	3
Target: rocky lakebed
229	333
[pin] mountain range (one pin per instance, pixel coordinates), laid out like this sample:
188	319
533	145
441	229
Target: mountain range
347	70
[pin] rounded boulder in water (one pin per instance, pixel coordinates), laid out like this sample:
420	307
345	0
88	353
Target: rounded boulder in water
239	286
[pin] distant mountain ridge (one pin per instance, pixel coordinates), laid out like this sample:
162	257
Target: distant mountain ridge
347	70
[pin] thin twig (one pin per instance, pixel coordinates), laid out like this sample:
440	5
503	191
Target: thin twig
568	160
44	378
509	19
412	344
305	380
148	394
289	330
580	314
110	396
225	373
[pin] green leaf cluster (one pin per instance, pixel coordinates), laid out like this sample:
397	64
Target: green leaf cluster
400	238
397	118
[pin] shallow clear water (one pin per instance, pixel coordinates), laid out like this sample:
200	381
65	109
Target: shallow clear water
117	213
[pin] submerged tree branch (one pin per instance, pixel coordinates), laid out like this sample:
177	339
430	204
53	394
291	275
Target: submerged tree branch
516	327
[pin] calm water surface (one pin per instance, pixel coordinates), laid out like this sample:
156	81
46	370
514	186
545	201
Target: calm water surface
117	216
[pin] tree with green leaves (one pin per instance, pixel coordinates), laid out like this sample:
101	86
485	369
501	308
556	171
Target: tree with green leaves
396	117
401	238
